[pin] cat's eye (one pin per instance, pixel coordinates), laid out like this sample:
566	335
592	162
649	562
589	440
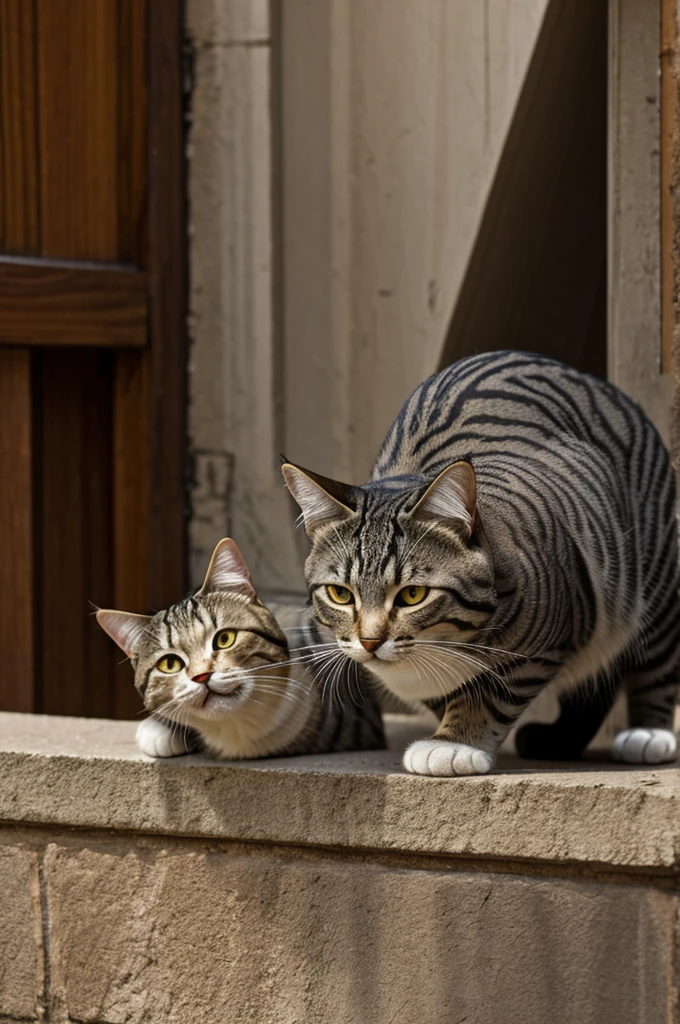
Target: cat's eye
340	595
224	639
170	664
412	595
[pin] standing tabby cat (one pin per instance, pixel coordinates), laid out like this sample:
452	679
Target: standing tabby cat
215	672
519	529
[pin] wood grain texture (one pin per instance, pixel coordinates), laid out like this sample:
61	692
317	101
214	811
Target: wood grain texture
634	245
73	488
16	524
167	296
92	217
149	399
669	122
132	131
132	525
78	97
44	303
19	200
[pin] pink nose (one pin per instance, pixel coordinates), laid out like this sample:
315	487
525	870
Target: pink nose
203	677
368	644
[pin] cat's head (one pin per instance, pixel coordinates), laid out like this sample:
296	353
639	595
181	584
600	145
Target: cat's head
399	572
212	655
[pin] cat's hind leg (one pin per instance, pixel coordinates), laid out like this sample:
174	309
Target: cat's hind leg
582	712
652	688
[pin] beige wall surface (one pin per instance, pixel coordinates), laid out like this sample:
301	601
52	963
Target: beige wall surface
174	934
355	144
394	115
341	158
233	377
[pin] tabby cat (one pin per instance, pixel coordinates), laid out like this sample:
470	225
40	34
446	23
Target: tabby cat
216	673
519	529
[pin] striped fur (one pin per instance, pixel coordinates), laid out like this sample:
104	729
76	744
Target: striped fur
554	561
259	697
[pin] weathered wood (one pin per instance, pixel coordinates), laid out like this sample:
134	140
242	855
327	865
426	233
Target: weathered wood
669	122
149	399
92	283
51	303
16	526
73	490
634	249
167	297
19	200
132	530
77	67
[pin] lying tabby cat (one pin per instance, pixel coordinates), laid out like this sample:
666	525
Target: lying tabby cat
216	674
519	529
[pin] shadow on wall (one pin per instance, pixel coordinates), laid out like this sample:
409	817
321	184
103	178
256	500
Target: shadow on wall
537	277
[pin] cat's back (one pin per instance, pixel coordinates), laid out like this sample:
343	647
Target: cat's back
516	405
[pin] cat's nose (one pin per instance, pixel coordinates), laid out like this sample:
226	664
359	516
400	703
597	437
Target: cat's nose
368	644
203	677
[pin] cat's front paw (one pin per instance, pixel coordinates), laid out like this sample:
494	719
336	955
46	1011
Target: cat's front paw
437	757
644	746
156	739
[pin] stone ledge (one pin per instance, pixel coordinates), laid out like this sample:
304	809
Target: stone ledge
87	773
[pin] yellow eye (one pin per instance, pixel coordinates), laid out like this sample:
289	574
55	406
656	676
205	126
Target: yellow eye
412	595
170	664
341	595
224	639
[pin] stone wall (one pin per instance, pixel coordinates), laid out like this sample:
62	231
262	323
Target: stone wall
328	889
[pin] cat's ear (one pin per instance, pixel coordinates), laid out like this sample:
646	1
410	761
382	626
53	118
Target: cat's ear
451	497
125	628
321	500
228	571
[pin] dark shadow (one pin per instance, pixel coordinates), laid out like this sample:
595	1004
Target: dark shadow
537	276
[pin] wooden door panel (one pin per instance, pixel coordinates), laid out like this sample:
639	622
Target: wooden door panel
92	338
77	55
74	77
73	493
43	302
19	188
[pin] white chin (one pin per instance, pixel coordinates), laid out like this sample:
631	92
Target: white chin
401	678
219	705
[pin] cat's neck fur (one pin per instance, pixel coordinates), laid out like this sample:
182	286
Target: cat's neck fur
259	730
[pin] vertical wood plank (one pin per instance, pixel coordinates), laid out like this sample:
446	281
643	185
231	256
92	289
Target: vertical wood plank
669	116
132	131
149	391
19	194
19	233
131	516
16	564
634	201
61	608
167	246
74	664
78	95
100	657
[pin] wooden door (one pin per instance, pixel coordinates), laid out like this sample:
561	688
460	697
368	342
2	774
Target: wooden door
92	342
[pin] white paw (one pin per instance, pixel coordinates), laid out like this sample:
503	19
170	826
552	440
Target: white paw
155	739
644	746
437	757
